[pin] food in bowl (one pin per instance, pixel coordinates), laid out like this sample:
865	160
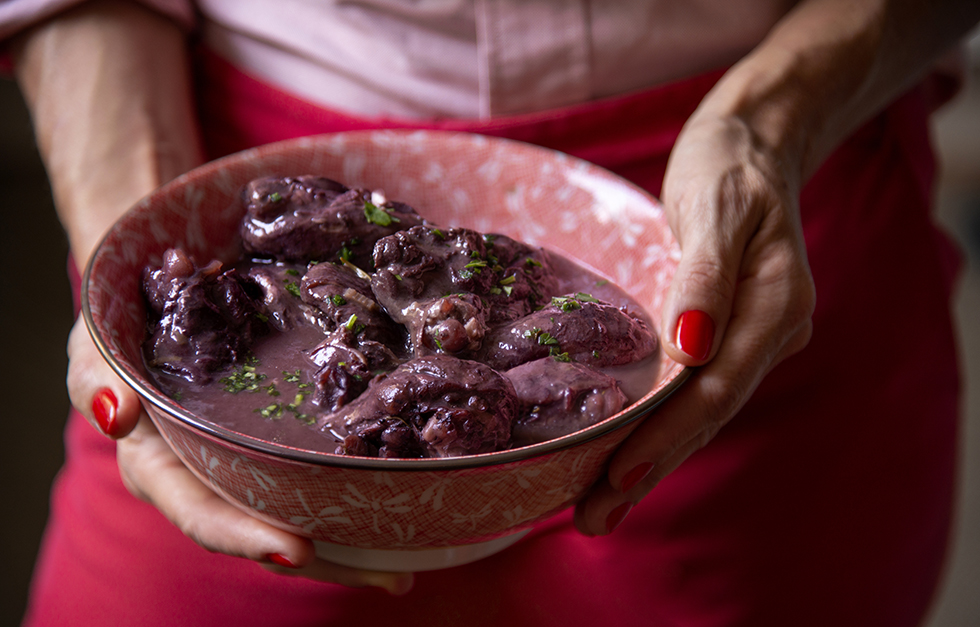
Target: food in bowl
387	335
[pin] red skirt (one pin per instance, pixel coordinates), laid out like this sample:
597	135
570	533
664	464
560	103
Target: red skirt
826	501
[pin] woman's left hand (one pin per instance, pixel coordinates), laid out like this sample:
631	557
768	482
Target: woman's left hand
739	303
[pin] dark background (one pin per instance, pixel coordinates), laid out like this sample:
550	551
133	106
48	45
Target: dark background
35	317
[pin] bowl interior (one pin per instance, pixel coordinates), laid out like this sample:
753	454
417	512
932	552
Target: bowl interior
537	195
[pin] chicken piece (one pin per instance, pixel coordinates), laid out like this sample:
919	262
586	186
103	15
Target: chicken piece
558	398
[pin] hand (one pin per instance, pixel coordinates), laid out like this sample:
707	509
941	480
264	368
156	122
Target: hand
739	304
152	472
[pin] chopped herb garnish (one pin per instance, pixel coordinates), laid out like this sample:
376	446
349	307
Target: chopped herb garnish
177	396
438	233
586	298
292	287
292	377
601	282
496	290
508	289
344	253
507	280
532	333
438	343
533	262
292	272
273	411
465	274
275	197
596	355
262	317
560	356
244	379
476	265
378	215
566	304
338	300
547	339
488	239
351	322
398	277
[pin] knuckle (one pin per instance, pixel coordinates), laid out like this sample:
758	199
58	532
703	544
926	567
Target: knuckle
708	276
721	403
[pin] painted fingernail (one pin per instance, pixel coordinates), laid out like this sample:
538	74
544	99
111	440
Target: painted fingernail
617	516
695	333
635	476
104	406
281	560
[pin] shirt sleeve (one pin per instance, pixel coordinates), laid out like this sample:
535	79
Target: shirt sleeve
16	15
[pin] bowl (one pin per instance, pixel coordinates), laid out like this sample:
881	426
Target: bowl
394	514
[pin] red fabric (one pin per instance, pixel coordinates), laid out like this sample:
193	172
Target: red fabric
827	501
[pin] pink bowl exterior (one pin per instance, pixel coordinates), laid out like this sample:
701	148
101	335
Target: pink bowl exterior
376	509
543	197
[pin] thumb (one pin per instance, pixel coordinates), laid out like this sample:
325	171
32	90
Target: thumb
104	399
699	300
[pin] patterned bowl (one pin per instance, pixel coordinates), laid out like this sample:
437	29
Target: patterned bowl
394	514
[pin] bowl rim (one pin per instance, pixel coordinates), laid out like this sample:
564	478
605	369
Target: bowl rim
173	410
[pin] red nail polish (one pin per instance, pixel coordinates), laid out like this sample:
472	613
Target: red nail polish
695	333
281	560
617	516
635	476
104	407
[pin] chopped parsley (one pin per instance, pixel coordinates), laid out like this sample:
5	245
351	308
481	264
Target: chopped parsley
292	287
273	412
378	215
244	379
566	304
351	322
476	265
547	339
338	300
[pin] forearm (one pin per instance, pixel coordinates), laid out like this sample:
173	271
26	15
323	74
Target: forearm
109	92
829	65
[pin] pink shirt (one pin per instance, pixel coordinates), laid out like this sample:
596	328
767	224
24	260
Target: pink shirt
461	58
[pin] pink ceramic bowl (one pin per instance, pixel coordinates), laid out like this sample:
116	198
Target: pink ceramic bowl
394	514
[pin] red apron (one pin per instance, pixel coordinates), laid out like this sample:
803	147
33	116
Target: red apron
826	501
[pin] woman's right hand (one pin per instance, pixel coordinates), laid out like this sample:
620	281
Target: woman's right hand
108	86
152	472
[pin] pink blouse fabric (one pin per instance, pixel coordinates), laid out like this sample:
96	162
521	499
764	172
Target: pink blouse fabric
460	58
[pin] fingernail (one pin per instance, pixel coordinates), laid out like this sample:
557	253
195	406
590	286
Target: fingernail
104	407
281	560
617	516
635	476
695	333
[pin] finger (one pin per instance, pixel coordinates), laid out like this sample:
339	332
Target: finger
605	507
770	323
714	227
152	472
322	570
104	399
